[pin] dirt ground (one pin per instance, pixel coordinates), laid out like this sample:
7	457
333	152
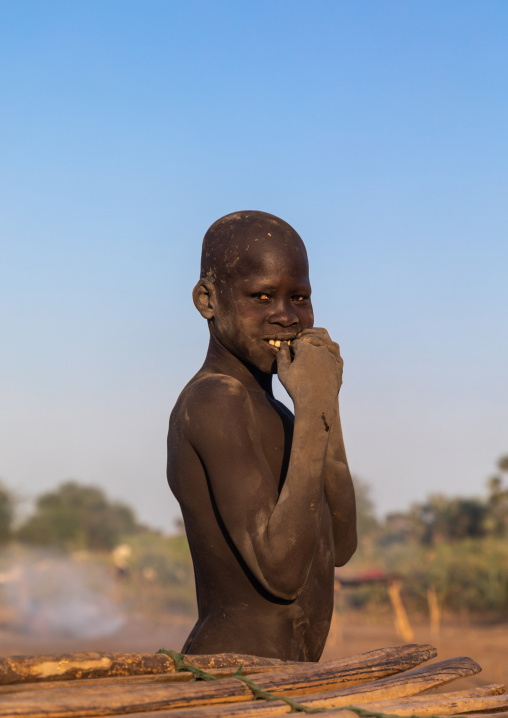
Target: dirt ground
486	644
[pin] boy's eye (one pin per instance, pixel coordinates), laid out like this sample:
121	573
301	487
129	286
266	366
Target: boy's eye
262	296
299	298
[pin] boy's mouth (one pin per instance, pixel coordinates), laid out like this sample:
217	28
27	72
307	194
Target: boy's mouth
275	343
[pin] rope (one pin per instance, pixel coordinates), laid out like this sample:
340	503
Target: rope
181	664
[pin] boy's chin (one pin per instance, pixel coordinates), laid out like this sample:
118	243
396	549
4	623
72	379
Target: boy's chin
269	368
263	367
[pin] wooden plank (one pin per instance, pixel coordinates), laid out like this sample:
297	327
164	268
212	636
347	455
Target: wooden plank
393	687
443	704
343	672
492	689
409	683
93	664
460	704
180	677
84	700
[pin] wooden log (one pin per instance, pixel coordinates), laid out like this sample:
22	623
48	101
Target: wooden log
393	687
92	664
443	704
84	700
408	683
180	677
492	689
402	625
434	612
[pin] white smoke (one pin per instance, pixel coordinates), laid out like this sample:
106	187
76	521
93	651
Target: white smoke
49	593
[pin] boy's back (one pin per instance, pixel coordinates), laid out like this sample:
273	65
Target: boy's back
266	497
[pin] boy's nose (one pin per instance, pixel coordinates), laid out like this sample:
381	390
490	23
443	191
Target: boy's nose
284	315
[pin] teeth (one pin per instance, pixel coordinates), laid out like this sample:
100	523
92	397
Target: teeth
277	342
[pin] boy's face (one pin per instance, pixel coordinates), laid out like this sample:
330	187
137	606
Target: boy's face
267	297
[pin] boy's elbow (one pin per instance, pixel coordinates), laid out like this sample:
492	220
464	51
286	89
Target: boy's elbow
346	550
284	586
286	595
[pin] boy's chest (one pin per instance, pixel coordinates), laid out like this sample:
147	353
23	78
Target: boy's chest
276	434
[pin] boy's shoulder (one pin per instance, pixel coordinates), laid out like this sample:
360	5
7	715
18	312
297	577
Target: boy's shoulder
209	394
214	385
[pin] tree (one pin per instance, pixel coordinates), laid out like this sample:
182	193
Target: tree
6	514
444	519
366	520
78	517
502	463
497	500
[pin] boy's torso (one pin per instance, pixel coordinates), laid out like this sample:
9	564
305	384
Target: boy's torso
236	613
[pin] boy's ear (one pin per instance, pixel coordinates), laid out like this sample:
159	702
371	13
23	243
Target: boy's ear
203	295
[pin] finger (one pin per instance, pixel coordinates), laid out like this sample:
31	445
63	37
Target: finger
283	357
314	331
317	341
316	334
296	346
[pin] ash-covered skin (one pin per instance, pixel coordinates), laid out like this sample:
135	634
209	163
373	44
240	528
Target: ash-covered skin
266	496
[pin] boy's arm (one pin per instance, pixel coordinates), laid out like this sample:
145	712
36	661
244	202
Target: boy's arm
276	535
340	494
338	484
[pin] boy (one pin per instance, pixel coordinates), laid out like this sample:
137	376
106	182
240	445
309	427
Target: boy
266	496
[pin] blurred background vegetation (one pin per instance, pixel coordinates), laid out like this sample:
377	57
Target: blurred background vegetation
456	547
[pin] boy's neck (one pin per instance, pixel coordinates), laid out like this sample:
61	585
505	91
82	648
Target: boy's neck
221	360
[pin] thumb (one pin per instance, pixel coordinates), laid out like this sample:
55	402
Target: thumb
283	358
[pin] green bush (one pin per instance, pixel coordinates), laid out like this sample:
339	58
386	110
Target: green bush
77	517
6	514
467	575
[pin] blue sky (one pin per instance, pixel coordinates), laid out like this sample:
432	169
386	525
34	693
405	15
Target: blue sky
377	129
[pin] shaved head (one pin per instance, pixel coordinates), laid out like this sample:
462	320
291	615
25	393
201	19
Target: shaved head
241	236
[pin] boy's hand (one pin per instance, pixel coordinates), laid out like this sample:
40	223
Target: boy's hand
315	374
319	337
